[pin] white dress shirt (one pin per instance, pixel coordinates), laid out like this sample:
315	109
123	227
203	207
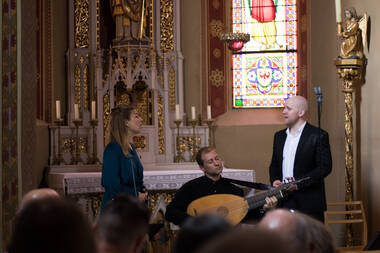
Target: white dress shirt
289	153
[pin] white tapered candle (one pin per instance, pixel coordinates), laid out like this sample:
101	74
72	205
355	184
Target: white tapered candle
209	112
177	112
193	112
338	11
93	110
58	109
76	111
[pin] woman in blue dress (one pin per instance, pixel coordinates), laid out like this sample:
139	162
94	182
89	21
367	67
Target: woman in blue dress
122	170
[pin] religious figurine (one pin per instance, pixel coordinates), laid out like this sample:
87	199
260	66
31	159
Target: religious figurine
130	18
353	35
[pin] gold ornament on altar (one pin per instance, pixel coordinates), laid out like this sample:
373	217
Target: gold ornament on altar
353	35
235	41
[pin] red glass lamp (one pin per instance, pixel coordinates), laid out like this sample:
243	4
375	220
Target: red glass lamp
235	41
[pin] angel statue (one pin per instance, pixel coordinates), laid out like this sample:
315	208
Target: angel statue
353	35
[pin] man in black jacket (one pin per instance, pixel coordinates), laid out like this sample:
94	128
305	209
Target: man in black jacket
211	183
301	150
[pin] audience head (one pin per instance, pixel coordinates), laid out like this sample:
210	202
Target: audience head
198	230
247	241
295	110
122	225
301	231
320	239
51	225
39	194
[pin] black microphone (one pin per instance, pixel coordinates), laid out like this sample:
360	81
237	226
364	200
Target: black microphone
318	93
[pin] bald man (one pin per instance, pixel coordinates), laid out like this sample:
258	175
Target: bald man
301	150
38	194
300	231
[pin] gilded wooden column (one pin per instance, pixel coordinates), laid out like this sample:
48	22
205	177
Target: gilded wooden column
349	70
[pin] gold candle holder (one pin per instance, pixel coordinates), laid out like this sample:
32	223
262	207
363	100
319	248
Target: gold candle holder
72	143
94	159
57	160
194	123
209	123
77	123
178	158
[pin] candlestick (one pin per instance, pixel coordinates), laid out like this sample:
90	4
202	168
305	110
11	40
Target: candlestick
59	158
210	139
76	112
58	109
93	110
338	10
193	113
195	150
178	158
77	123
94	159
177	117
208	112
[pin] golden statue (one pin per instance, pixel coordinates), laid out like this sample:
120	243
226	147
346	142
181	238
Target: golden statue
353	35
130	18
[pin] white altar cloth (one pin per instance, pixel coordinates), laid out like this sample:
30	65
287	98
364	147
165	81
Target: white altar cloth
90	182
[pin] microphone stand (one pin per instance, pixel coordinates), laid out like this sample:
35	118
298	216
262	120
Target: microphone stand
318	93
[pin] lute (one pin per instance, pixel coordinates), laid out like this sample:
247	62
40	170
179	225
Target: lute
234	208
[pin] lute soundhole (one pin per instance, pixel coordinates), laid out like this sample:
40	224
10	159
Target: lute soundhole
222	211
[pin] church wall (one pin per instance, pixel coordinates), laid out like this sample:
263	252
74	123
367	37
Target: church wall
35	133
324	49
191	50
60	47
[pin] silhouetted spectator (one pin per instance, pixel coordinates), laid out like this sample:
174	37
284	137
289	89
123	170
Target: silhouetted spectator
123	225
303	233
39	194
247	241
51	225
198	230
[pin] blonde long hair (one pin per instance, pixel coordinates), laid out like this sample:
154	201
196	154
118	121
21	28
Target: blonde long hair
118	129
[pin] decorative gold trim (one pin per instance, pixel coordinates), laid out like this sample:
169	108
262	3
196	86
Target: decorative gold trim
186	143
217	78
139	141
160	116
81	23
216	28
172	100
151	26
85	86
97	23
68	144
77	86
155	196
106	117
166	25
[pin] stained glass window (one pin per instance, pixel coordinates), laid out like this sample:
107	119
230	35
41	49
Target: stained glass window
265	70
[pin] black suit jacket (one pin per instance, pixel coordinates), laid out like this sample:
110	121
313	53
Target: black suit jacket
313	159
